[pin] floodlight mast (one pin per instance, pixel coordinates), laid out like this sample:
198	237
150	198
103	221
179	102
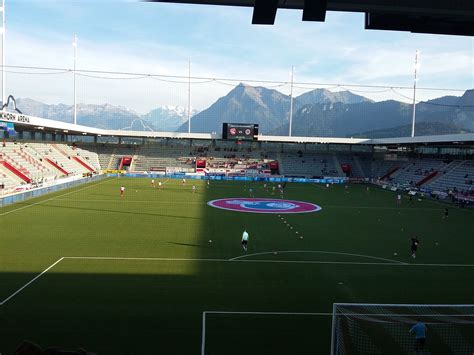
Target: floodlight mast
4	94
74	44
291	100
414	95
189	96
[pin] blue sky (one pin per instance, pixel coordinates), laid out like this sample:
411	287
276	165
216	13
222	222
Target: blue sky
160	38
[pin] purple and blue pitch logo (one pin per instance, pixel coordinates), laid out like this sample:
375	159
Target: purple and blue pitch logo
264	205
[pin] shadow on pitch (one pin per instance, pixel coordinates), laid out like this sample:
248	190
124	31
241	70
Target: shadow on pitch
122	212
189	245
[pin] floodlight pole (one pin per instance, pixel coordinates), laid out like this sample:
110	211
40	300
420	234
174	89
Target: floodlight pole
189	96
4	94
414	96
74	44
291	100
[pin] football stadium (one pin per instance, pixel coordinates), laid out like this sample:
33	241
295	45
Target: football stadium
265	223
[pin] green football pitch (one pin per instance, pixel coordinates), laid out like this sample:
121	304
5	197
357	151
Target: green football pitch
139	275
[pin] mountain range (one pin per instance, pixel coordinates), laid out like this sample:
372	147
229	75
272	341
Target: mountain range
318	112
106	116
332	114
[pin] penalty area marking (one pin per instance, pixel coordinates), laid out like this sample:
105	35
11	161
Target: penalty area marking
56	197
318	252
392	263
29	282
203	332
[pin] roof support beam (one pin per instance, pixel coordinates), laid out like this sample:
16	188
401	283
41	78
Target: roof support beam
315	10
264	12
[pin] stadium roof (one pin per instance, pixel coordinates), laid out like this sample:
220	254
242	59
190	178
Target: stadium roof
419	16
24	122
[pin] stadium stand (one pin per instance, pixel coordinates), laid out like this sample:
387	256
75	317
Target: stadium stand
460	177
21	157
34	163
48	161
415	172
160	158
383	169
59	159
309	164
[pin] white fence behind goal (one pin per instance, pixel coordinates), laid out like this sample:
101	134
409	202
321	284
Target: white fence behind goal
385	329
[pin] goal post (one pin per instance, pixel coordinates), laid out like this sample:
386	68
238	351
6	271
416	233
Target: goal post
361	328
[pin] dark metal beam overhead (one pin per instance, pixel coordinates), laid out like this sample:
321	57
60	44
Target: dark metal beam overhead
264	12
315	10
421	16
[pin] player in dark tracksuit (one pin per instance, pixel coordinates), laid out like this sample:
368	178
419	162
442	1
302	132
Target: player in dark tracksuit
414	246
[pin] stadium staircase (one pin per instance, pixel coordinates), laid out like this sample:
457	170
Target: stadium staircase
54	164
83	163
88	157
432	175
134	162
112	160
390	173
358	167
337	165
280	165
8	179
67	160
15	171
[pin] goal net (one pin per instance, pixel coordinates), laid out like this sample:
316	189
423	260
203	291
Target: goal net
385	329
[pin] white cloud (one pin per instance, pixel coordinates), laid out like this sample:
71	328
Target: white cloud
332	52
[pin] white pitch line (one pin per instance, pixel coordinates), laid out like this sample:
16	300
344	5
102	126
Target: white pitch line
205	203
225	260
316	262
382	208
30	282
397	263
139	258
53	198
203	337
276	313
136	201
316	252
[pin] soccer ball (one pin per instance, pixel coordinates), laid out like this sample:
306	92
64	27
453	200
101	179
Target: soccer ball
210	240
275	253
395	254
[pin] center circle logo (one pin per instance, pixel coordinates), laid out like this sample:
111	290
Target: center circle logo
264	205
